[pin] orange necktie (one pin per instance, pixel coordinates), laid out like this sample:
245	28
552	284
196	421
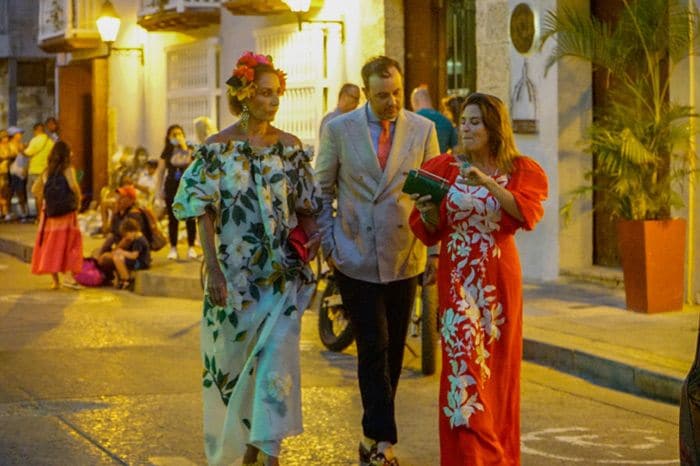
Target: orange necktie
384	145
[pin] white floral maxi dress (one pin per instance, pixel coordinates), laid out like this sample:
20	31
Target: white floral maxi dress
250	347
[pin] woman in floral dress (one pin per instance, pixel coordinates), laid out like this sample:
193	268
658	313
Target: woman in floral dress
248	187
494	192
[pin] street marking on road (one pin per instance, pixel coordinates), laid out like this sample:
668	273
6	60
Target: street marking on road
170	461
584	437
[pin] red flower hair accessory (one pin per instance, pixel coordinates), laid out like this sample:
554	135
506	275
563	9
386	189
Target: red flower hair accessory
241	84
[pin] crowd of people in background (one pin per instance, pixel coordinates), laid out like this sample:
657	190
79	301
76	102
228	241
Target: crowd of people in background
126	212
21	165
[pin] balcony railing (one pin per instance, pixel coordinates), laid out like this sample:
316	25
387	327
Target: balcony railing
260	7
66	25
178	15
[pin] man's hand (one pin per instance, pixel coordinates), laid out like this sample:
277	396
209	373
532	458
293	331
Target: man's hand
430	274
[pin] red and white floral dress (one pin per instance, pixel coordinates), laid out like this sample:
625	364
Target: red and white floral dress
480	289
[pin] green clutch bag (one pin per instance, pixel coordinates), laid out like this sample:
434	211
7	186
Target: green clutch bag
423	182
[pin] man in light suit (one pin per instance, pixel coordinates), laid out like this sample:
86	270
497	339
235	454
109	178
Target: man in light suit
363	160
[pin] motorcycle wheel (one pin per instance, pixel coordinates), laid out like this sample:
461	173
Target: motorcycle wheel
428	331
333	325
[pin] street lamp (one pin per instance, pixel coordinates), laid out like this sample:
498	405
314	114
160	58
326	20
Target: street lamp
299	7
108	24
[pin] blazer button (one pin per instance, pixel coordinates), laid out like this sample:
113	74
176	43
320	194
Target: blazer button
399	226
369	228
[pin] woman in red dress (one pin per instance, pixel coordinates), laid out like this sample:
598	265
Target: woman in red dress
59	245
494	192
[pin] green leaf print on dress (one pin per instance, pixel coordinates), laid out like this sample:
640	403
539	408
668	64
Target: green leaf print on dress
250	347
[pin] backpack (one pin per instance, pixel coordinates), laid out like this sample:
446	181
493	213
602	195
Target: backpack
59	198
156	238
90	274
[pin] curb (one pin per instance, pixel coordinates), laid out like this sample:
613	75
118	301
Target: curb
152	283
607	372
17	249
147	283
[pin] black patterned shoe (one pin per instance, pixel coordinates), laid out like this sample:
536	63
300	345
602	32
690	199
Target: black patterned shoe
365	454
378	459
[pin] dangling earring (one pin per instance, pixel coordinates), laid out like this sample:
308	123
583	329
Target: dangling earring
245	115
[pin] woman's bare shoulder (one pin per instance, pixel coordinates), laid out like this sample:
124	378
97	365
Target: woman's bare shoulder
230	133
288	139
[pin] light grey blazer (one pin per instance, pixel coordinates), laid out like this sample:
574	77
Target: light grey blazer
369	236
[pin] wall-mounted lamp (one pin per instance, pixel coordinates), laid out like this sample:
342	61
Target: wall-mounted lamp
108	24
299	7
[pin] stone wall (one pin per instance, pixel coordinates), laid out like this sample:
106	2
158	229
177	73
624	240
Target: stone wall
23	29
395	30
34	104
493	48
372	26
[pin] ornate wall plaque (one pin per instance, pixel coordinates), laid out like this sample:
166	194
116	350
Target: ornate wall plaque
522	28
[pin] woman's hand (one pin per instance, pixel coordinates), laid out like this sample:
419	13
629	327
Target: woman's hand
216	286
470	175
430	274
308	223
429	211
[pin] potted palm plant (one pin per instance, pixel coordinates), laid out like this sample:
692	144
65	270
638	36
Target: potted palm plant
640	139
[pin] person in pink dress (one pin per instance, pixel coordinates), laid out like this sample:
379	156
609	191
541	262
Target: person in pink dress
494	191
59	245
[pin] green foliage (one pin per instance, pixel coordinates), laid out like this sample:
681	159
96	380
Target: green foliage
640	138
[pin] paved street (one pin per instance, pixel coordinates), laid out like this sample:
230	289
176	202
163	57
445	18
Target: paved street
105	377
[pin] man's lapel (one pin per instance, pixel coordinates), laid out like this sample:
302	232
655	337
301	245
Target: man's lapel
358	134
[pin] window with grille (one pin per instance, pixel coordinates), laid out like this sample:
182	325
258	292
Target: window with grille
312	61
193	83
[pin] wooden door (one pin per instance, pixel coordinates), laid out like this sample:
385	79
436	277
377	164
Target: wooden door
425	45
82	112
75	118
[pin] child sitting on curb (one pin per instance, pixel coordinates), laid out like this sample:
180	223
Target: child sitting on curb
132	253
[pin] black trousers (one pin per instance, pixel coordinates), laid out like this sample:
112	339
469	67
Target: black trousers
173	223
379	313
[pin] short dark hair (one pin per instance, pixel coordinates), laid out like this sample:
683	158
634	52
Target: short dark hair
38	125
379	66
129	225
346	87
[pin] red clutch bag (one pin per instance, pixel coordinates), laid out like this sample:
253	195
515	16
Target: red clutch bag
297	241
